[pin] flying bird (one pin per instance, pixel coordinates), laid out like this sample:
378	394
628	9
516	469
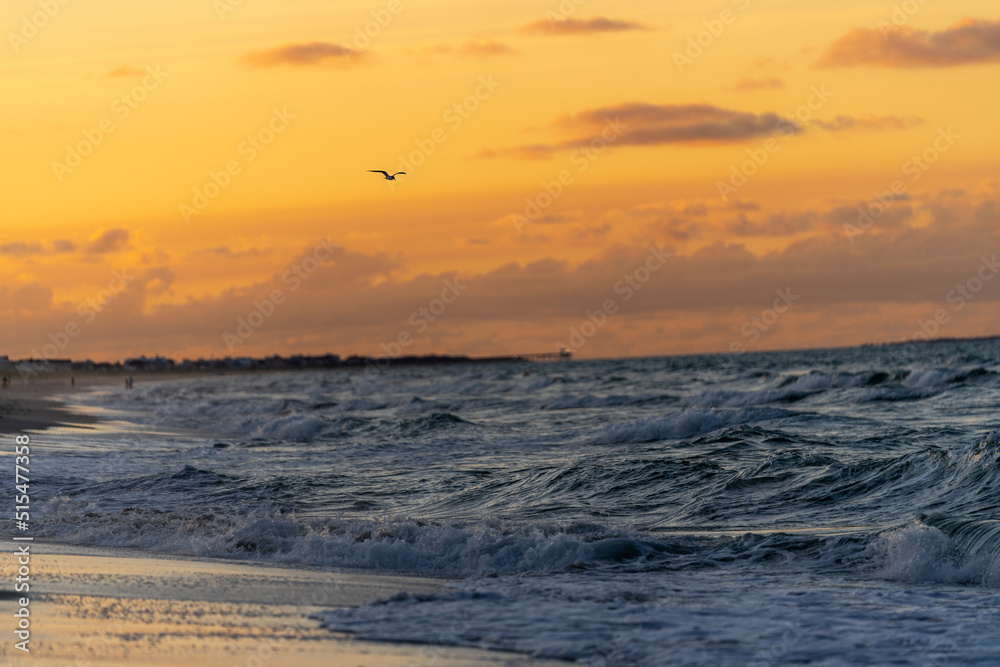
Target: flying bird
388	176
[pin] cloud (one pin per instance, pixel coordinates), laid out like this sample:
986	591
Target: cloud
642	124
682	220
876	288
546	219
896	217
747	84
775	224
676	229
869	123
21	249
590	233
968	42
158	280
479	48
532	152
33	297
486	47
230	253
550	219
307	54
652	124
112	240
598	24
33	248
125	71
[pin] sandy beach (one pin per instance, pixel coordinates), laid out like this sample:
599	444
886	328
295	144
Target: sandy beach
36	403
33	406
98	607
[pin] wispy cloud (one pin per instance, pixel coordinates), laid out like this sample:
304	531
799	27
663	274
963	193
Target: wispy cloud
643	124
125	71
529	152
775	224
748	84
33	297
104	242
869	123
970	41
598	24
31	249
230	253
308	54
21	249
476	47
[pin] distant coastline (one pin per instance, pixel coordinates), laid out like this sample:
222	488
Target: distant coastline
918	341
26	368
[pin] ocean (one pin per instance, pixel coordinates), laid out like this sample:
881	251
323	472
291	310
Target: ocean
823	507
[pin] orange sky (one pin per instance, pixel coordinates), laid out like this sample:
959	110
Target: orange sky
189	155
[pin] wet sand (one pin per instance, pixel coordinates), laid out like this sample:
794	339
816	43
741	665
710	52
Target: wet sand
100	607
33	406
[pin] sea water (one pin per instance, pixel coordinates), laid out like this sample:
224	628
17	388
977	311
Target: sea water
828	507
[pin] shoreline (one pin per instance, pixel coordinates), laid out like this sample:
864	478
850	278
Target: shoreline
36	405
114	607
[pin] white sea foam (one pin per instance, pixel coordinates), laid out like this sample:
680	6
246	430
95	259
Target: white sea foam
918	553
685	424
925	378
457	549
573	401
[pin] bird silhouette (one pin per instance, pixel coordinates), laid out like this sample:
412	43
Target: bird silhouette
388	176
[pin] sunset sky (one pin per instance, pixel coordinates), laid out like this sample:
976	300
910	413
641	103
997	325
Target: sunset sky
179	162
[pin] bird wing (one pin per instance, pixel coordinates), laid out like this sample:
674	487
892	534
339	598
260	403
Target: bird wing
378	171
400	172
